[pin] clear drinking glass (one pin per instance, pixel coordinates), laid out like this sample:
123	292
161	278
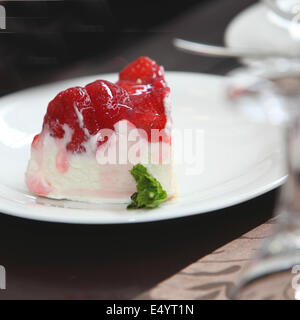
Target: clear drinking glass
283	8
271	91
285	14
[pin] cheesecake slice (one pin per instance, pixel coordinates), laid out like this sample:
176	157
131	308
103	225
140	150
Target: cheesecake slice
95	139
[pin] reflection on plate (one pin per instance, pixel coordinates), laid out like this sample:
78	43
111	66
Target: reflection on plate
240	160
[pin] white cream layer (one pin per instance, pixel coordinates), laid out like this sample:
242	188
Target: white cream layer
58	174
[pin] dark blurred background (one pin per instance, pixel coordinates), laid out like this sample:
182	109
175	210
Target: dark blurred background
44	38
46	41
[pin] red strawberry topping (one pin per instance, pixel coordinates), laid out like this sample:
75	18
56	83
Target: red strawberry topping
144	80
137	96
143	70
64	109
111	103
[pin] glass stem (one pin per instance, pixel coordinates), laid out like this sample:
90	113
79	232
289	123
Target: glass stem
290	197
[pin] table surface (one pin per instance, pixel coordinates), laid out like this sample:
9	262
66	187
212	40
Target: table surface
151	260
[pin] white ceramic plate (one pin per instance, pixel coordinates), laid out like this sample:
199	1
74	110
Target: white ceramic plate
258	27
241	160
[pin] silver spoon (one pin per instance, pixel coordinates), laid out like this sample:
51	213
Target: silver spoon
217	51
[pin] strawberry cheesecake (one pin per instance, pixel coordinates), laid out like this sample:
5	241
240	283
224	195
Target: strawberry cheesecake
107	142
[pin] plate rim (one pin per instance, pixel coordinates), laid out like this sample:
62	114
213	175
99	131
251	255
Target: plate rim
230	203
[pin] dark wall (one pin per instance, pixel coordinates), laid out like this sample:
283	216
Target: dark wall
44	36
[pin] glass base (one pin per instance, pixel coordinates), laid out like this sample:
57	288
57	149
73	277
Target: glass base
274	273
275	286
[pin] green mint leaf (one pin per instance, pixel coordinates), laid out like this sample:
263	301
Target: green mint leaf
150	193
